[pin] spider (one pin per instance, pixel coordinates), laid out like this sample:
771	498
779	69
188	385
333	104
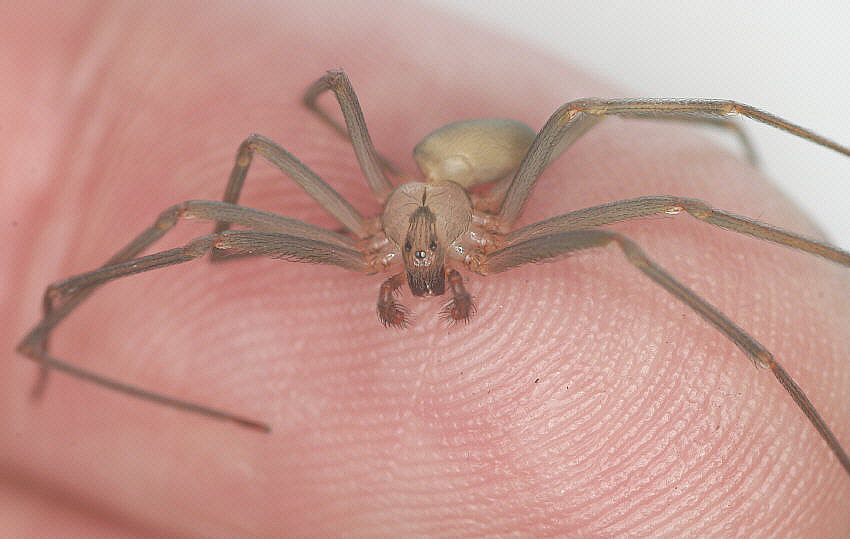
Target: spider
478	175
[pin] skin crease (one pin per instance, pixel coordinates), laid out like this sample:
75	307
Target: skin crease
581	400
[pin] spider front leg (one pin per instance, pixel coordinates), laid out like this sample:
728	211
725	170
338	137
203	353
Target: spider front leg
623	210
312	183
572	119
547	247
354	130
371	162
275	236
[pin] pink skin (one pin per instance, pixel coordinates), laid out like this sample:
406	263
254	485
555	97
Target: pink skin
581	399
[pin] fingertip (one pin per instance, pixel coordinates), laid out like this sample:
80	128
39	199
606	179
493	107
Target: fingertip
453	412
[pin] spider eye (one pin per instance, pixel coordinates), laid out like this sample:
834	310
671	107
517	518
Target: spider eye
421	255
433	244
407	246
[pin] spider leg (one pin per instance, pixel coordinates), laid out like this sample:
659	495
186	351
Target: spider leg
311	182
549	142
729	124
276	236
543	151
372	163
622	210
562	243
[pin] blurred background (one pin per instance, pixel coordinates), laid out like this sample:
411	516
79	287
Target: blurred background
791	59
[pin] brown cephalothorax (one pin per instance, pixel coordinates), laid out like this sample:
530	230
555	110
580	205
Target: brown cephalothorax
428	230
424	221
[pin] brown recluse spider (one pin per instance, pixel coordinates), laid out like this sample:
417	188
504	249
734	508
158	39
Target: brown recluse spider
431	228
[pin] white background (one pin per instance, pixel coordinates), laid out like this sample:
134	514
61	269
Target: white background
792	60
